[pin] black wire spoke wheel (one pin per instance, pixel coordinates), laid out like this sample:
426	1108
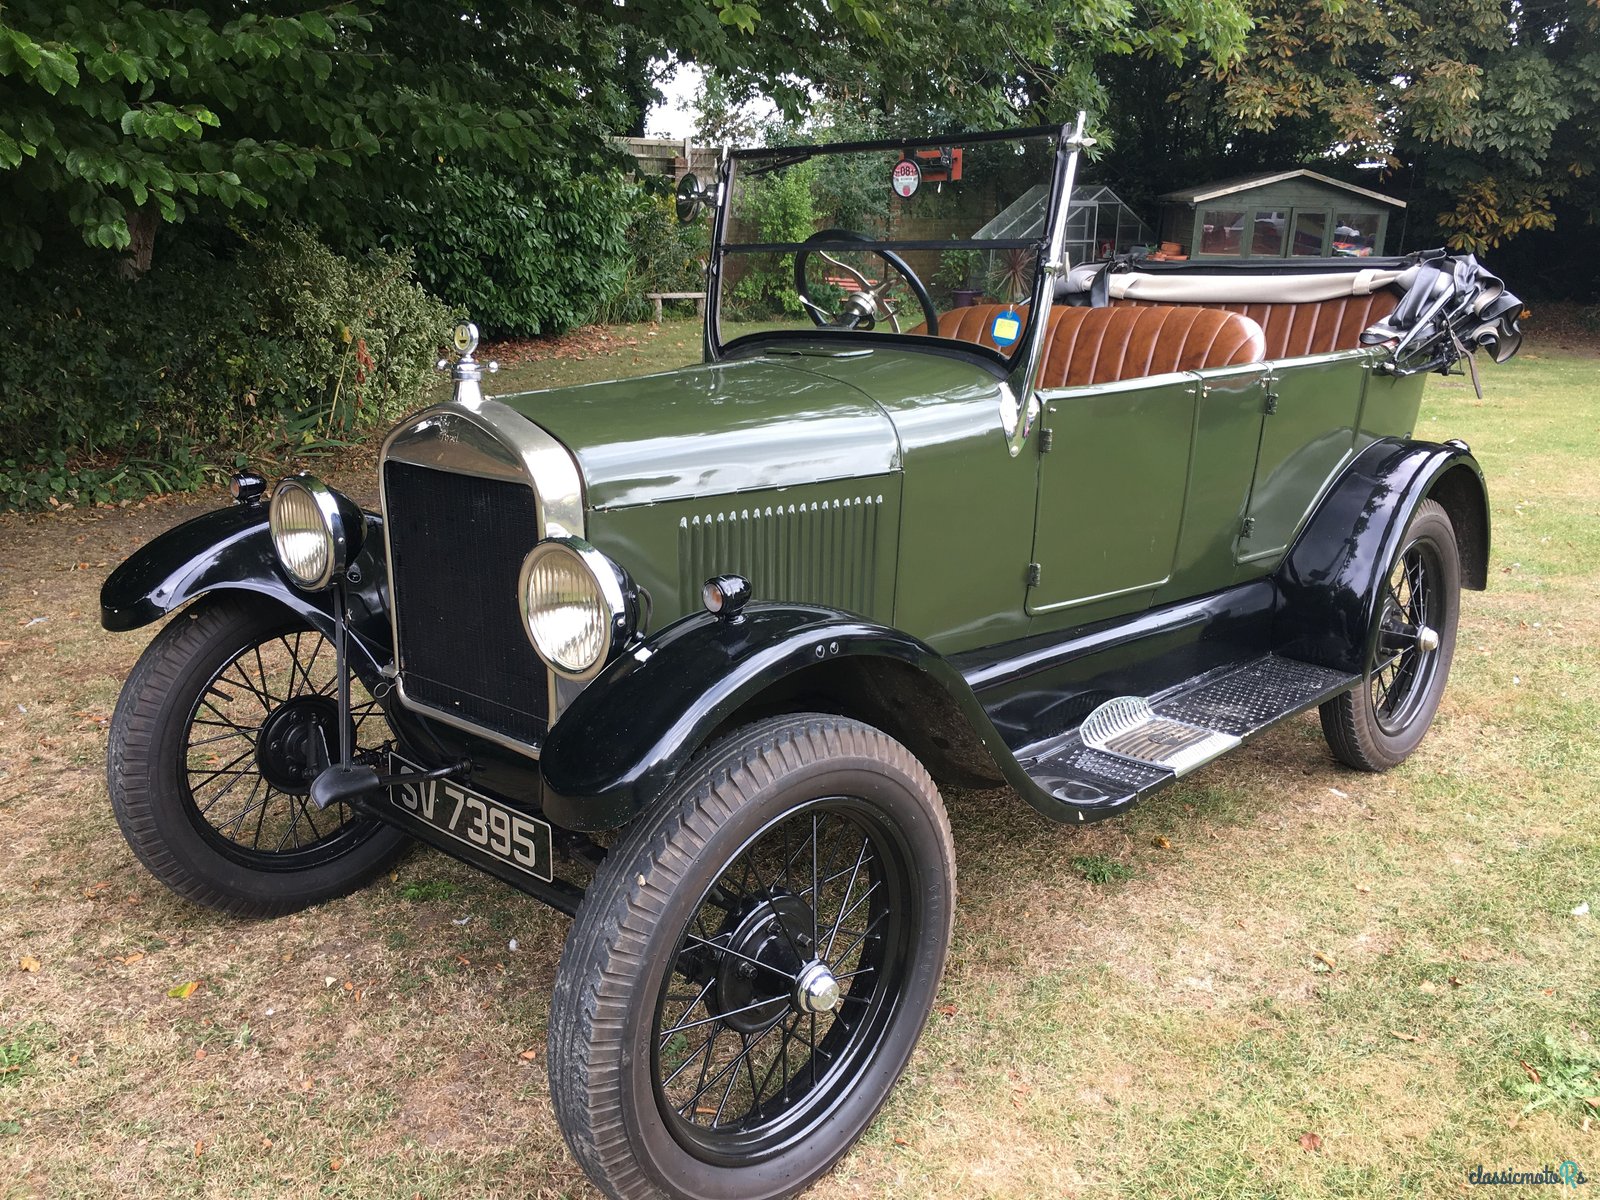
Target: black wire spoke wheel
784	977
1408	643
265	723
752	966
1379	723
221	728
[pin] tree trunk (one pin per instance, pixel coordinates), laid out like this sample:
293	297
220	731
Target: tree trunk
142	224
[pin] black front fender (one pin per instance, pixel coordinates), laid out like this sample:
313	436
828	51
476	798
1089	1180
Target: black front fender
231	549
1329	583
619	744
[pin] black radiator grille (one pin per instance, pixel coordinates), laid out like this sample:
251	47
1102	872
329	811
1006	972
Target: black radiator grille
456	545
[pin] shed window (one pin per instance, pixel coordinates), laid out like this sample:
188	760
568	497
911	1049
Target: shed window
1355	234
1221	230
1270	225
1310	233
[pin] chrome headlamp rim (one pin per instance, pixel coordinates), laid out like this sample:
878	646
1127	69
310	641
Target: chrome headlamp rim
334	532
616	592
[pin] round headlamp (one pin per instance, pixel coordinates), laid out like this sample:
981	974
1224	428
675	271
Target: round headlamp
309	531
577	605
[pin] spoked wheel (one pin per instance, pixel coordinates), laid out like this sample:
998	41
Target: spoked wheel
1380	723
219	732
753	965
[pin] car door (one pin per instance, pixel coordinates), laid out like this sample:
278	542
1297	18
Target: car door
1113	474
1308	430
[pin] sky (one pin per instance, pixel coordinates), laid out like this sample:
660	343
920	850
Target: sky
674	116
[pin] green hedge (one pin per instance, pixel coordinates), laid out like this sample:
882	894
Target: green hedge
664	255
523	253
258	344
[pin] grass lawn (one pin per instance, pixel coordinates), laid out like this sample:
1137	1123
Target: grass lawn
1278	979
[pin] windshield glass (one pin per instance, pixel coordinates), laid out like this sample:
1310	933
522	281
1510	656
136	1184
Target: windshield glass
930	240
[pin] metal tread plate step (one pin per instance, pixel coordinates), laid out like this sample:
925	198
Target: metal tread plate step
1131	746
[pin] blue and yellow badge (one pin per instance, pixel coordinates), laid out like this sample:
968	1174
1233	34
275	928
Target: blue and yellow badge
1007	327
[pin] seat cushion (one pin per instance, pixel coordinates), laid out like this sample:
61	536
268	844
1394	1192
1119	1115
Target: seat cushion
1316	327
1101	345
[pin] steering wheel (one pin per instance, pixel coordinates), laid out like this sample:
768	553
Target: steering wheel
864	308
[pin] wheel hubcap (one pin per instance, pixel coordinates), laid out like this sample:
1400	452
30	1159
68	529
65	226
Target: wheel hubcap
816	991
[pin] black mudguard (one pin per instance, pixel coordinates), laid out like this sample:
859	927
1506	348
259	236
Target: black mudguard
621	742
1330	581
231	549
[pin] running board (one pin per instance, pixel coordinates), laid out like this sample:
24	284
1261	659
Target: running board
1129	746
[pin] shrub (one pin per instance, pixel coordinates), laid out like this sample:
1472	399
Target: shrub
522	253
267	341
779	208
663	256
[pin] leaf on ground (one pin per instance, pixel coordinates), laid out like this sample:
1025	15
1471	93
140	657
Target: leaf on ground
1533	1075
1311	1143
529	1055
1322	958
128	960
28	963
1163	843
182	991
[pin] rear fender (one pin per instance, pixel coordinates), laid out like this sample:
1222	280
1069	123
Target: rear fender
1330	582
620	743
231	550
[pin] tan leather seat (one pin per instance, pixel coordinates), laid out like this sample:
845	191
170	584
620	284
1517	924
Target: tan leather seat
1317	327
1102	345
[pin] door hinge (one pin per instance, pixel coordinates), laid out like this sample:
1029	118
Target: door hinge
1270	402
1247	527
1034	574
1047	441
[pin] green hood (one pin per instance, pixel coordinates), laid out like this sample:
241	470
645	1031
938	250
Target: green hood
757	423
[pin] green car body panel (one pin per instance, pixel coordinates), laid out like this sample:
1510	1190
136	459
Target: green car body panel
860	479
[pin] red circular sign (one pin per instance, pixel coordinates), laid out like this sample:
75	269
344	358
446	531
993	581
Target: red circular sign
905	177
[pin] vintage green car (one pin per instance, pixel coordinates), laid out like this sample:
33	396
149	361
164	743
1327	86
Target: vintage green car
689	656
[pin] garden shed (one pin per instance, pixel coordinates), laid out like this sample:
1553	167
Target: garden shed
1283	214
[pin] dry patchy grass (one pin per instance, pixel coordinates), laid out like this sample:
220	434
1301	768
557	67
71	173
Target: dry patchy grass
1299	949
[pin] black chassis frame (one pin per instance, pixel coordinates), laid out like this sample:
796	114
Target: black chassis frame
965	716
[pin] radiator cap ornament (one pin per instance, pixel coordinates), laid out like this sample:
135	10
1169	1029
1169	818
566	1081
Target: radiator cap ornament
465	338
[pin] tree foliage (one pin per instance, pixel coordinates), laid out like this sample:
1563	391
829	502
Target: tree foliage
1492	104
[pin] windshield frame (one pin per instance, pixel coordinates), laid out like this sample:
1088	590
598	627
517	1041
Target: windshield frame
1004	364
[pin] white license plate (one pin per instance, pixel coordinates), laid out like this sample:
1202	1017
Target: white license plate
476	820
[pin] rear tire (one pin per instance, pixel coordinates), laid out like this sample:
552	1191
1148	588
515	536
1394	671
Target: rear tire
1377	724
204	799
717	918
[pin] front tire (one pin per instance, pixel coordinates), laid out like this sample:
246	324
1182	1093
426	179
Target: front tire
753	965
210	762
1377	724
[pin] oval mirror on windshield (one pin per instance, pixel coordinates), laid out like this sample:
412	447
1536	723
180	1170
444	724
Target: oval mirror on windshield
691	200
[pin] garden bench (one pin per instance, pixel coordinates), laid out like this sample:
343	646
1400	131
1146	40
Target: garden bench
699	299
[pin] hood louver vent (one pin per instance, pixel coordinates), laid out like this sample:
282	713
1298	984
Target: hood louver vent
823	552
